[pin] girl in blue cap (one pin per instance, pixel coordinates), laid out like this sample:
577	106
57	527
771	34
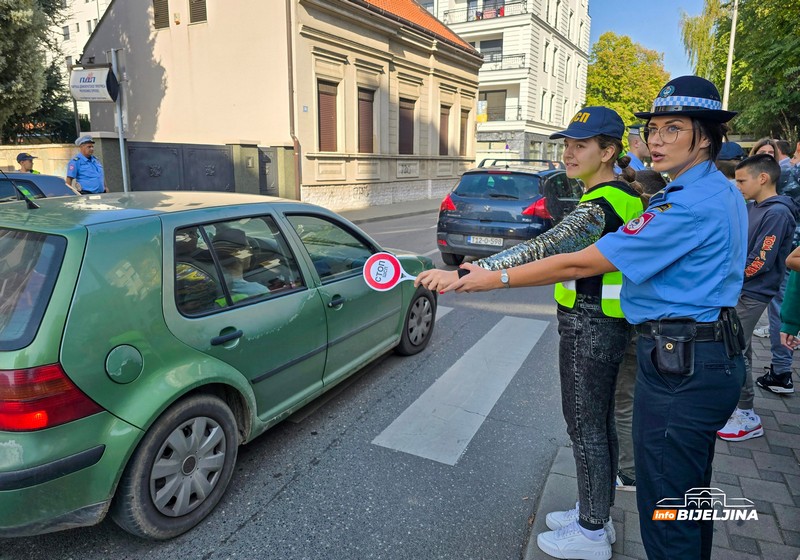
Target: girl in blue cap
683	266
594	333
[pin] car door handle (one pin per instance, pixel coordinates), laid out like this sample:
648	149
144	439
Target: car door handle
336	301
223	338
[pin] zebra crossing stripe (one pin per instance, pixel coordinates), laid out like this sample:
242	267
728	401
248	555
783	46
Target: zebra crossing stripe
440	424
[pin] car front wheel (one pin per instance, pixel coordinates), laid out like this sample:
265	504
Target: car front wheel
418	326
180	470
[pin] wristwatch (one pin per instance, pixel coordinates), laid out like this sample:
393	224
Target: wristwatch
504	277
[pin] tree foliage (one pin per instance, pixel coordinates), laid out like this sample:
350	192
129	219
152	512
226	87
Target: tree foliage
24	39
765	76
624	75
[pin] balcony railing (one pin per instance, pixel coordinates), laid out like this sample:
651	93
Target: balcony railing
487	11
508	113
500	61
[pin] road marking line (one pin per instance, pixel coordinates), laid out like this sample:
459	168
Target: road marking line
441	311
443	420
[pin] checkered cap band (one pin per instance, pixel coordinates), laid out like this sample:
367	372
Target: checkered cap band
684	103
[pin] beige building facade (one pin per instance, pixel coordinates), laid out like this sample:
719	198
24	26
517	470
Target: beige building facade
362	104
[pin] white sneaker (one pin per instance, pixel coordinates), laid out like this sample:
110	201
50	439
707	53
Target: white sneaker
761	332
741	426
559	519
570	542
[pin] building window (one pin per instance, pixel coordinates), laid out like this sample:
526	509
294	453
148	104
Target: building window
495	104
569	25
65	29
197	11
550	109
444	131
69	62
462	143
555	61
77	27
544	58
541	105
89	26
558	9
326	106
406	128
492	50
547	13
160	14
366	103
428	5
566	69
580	34
578	75
564	112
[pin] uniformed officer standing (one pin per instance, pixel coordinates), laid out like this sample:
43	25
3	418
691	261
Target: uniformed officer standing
683	265
86	169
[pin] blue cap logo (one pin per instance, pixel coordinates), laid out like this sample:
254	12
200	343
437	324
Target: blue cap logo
667	91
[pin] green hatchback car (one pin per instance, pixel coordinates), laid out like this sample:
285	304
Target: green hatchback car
145	336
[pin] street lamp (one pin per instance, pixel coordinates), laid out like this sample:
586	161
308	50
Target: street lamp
730	56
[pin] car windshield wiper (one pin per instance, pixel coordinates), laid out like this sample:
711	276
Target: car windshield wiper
506	196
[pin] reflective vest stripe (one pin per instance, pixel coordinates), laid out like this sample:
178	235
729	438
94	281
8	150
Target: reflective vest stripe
627	207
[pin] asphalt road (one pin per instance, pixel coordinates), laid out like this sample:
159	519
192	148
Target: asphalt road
317	487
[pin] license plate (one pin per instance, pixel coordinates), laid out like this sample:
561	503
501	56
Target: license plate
478	240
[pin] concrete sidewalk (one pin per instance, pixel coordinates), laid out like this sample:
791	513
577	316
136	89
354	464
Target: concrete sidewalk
764	470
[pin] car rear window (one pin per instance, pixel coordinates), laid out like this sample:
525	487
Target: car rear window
29	265
498	185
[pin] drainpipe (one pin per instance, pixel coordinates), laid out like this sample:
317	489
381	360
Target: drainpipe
295	141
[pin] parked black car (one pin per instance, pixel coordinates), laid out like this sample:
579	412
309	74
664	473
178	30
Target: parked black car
501	203
39	185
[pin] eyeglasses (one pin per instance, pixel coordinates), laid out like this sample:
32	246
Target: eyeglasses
668	133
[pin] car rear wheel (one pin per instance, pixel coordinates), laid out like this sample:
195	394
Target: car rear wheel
180	470
452	259
418	326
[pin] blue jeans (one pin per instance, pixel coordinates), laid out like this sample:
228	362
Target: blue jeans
590	351
781	356
675	423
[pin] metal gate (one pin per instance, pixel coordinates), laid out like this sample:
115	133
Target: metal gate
182	167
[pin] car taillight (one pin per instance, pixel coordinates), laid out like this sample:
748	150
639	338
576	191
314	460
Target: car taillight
447	204
538	209
39	398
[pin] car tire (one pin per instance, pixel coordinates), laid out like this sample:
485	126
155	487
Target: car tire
452	259
419	323
179	471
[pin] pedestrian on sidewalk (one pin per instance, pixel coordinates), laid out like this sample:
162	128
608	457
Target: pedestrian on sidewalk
593	332
679	290
771	223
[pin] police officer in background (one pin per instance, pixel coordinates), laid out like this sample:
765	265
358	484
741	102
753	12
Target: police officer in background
86	169
25	162
683	265
638	146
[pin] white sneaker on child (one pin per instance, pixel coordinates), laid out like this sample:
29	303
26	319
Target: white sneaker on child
571	542
558	519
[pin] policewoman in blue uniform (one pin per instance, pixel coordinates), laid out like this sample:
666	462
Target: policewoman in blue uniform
86	169
682	262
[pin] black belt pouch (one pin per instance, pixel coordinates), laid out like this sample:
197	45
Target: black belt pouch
675	346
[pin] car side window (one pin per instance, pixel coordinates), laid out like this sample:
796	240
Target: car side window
335	251
230	263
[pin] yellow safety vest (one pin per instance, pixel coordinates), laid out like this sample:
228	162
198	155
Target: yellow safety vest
627	208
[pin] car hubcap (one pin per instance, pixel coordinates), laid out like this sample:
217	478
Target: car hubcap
419	321
188	466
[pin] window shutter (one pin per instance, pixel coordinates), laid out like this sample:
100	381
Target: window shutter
462	146
327	116
406	129
444	130
197	11
366	100
160	14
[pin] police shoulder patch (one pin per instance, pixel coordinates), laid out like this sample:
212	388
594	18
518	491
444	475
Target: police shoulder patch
662	207
637	224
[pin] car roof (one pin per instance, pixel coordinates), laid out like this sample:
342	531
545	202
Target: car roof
527	169
68	212
49	185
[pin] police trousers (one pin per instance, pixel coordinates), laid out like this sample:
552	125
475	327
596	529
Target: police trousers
675	422
590	351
